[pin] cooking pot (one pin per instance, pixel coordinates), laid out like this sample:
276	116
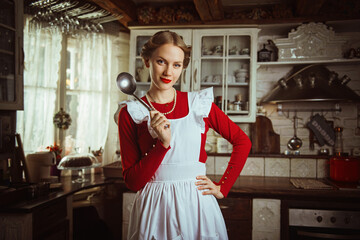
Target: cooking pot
345	169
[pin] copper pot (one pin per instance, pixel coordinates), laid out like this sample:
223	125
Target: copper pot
345	169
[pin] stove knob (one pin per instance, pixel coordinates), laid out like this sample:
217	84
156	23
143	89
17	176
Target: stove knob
319	219
333	219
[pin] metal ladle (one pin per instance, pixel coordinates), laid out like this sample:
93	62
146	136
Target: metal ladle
294	143
127	84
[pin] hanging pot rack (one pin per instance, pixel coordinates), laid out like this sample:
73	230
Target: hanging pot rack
281	110
78	9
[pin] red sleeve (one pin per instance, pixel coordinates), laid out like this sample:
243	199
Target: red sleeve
222	124
140	155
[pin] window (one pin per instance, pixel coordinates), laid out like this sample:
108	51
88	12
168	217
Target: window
83	90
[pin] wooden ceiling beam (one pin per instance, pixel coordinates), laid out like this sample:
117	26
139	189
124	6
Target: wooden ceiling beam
209	10
203	10
126	9
216	9
308	7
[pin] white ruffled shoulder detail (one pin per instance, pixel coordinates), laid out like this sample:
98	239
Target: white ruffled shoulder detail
201	102
139	114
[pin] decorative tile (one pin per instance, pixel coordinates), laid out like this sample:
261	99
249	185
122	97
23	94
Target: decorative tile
277	167
210	165
303	168
254	166
323	168
221	164
125	227
268	235
128	200
266	214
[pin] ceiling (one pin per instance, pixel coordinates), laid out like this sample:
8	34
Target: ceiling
135	12
175	12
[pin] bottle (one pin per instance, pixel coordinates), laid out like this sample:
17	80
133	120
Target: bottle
338	147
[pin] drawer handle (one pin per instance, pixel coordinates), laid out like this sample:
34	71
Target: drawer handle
224	207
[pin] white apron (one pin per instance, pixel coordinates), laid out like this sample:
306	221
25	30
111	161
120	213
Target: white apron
170	206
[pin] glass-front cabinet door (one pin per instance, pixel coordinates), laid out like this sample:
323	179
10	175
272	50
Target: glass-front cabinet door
137	68
225	59
11	56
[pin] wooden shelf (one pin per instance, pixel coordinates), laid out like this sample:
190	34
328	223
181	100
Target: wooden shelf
242	84
298	62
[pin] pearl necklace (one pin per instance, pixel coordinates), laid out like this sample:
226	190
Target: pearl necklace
148	96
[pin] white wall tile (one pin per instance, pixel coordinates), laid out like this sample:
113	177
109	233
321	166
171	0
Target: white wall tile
254	166
303	167
266	235
221	165
323	168
210	165
267	78
128	199
277	167
266	214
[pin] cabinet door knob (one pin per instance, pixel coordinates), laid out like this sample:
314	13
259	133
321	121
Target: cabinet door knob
223	207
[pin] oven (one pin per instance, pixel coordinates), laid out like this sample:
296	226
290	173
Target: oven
320	224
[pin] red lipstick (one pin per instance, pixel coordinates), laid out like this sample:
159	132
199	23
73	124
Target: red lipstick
164	80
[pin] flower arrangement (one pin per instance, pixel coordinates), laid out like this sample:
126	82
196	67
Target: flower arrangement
56	149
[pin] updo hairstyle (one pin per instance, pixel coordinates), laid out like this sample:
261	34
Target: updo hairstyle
165	37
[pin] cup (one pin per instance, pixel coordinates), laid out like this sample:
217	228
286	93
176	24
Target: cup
245	51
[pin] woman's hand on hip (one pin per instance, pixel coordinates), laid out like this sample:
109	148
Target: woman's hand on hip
211	189
161	125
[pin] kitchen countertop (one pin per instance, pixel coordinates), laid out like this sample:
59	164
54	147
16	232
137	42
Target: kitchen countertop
282	188
245	186
68	188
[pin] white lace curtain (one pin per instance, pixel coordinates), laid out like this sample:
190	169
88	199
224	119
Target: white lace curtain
41	75
92	104
42	58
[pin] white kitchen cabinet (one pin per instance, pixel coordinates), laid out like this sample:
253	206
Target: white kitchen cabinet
222	58
225	59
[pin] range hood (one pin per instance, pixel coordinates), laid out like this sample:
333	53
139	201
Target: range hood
311	83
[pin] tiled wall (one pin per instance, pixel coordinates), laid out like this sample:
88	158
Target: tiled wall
283	123
267	78
273	167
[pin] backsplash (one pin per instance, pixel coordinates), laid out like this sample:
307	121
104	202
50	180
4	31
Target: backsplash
273	167
283	123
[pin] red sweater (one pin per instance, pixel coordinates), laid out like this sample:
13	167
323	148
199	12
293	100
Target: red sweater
141	155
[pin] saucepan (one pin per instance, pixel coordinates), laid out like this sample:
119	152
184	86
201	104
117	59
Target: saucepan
345	169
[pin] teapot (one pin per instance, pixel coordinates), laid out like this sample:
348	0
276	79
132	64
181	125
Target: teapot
143	73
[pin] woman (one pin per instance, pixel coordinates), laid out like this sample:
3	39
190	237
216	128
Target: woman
163	151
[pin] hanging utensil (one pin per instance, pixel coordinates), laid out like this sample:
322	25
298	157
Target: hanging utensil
294	143
127	84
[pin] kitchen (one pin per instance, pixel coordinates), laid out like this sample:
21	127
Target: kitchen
264	167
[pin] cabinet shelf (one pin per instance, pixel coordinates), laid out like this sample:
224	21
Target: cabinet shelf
245	84
332	61
234	112
205	57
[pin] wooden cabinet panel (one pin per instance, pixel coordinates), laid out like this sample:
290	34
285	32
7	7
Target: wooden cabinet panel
236	208
237	213
49	216
238	229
